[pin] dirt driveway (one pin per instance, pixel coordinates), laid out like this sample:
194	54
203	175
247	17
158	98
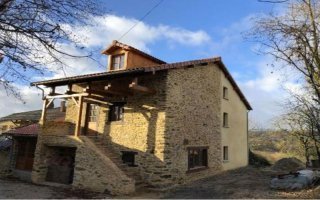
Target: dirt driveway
14	189
247	182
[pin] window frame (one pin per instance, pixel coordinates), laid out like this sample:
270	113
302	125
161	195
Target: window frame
93	113
225	93
119	106
225	120
200	162
120	62
225	153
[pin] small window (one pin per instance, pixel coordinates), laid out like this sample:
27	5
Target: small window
225	92
225	153
197	157
225	120
128	157
117	62
93	112
116	112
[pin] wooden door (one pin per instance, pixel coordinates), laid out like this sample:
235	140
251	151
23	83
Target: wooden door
25	153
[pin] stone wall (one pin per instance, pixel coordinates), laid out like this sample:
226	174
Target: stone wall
5	161
193	119
142	129
93	170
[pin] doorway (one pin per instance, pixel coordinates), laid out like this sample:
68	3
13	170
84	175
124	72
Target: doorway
91	125
60	161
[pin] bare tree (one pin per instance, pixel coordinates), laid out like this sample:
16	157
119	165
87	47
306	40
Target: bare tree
302	121
32	33
293	38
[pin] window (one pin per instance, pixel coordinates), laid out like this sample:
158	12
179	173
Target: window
225	153
116	112
117	62
225	120
225	92
93	112
197	157
128	157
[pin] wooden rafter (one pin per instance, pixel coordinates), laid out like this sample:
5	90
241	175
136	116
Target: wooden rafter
139	88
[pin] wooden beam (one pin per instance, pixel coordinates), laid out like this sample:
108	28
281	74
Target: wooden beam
69	89
67	95
49	102
52	90
108	91
95	99
107	87
44	112
135	86
78	124
75	101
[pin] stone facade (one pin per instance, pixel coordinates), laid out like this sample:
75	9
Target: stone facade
193	118
92	171
184	112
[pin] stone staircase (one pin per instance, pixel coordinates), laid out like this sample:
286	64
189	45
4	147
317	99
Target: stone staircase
132	172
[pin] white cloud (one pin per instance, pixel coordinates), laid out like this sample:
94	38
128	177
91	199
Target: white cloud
107	28
268	92
31	96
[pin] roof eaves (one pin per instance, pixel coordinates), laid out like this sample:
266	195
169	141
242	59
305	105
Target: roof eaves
87	77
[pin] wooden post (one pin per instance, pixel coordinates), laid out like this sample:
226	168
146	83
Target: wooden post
78	124
44	112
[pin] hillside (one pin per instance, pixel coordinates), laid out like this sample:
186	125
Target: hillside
274	145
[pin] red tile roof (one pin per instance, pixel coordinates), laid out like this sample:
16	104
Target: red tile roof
29	130
144	70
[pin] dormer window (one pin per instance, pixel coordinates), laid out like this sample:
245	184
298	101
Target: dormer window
117	62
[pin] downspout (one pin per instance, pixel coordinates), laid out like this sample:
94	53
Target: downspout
41	90
248	148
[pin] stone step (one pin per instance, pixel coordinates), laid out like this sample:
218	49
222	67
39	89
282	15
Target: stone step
132	172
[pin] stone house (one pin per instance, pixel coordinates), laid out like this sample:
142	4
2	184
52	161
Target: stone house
143	123
18	119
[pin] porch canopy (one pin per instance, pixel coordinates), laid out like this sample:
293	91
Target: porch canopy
121	83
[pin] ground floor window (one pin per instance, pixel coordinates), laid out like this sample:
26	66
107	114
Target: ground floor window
197	157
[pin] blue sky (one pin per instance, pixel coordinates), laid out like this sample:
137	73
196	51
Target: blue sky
179	30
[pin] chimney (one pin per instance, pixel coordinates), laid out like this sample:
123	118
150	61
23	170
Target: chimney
63	106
